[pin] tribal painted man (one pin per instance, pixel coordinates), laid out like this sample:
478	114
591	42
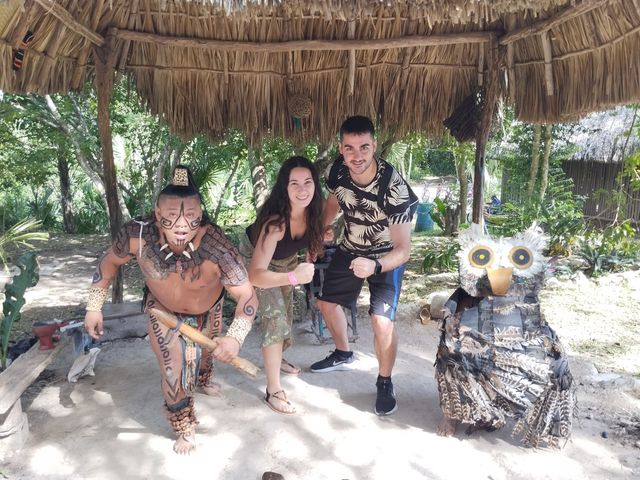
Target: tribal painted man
187	264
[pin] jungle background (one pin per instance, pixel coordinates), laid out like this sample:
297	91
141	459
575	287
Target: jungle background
52	203
52	182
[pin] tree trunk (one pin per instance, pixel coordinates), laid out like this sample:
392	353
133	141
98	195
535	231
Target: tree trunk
177	156
535	160
258	177
83	161
451	220
494	56
159	172
323	159
65	194
225	189
464	188
104	68
544	172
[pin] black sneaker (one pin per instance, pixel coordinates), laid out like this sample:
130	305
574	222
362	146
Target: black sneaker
386	400
335	361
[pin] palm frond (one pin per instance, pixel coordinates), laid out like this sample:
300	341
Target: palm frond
21	234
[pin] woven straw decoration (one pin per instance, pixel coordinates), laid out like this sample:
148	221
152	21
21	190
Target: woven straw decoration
300	105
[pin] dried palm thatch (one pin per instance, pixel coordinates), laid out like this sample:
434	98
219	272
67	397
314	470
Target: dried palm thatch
209	65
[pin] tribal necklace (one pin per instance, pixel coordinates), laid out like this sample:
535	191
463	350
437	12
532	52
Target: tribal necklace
178	261
171	261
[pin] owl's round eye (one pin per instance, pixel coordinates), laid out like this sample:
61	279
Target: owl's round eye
521	257
481	256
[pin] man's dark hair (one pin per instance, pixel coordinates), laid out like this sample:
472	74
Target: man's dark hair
358	125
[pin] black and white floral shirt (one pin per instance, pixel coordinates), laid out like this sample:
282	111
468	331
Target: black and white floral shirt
366	224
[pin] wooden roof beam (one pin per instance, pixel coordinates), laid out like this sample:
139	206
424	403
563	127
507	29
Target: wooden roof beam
22	27
65	17
78	73
548	62
307	45
551	22
480	64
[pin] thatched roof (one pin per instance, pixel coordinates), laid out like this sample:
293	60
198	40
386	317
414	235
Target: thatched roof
212	64
607	137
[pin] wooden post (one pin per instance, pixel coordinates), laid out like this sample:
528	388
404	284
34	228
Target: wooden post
104	66
351	33
548	59
511	72
489	103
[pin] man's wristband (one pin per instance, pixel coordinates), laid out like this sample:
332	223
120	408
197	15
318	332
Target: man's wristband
292	278
378	268
97	296
239	329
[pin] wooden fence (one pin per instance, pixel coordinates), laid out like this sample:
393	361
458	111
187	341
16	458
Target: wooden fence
595	181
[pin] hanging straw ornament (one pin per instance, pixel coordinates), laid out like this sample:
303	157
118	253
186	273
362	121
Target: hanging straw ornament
299	108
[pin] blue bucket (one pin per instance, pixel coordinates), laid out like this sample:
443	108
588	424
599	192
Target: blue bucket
423	219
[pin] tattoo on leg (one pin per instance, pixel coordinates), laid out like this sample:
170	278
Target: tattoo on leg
173	389
162	342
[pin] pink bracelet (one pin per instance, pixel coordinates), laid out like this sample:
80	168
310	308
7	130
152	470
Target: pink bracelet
292	278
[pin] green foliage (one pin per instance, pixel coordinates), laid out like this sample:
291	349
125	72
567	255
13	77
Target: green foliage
438	211
14	299
610	250
91	215
443	212
20	235
442	258
439	162
632	170
559	214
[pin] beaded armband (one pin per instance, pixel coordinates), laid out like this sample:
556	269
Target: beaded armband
97	296
239	329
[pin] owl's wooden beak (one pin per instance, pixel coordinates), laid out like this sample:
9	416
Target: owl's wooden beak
500	280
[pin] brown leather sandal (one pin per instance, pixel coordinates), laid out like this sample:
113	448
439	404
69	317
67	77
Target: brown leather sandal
282	396
293	370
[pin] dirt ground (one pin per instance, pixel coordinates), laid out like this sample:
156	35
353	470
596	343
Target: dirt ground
111	426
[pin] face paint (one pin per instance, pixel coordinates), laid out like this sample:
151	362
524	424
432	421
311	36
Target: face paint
179	218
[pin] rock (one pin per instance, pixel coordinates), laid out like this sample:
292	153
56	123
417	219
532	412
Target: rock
552	282
447	277
604	435
581	369
573	263
435	304
607	380
580	279
272	476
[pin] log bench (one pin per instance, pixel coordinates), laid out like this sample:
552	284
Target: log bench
126	321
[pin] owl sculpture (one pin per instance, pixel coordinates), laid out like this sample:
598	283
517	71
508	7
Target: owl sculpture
498	358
